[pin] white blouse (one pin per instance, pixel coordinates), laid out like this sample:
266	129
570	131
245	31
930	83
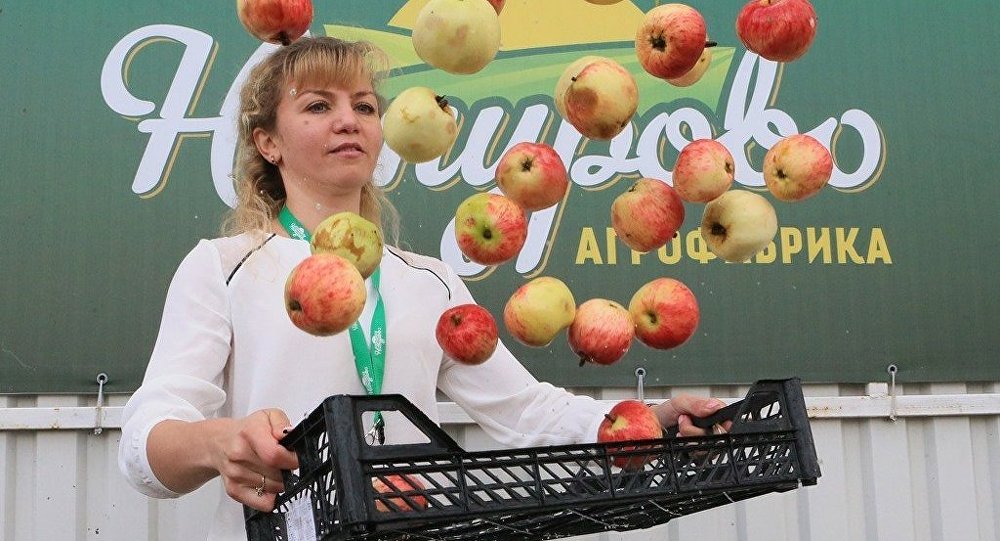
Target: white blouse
229	349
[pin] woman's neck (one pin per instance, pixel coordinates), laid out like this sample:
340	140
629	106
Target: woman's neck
311	209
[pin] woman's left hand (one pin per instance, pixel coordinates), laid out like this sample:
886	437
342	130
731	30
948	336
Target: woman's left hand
679	410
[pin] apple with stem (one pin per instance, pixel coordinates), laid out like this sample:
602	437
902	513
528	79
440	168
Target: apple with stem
275	21
352	237
489	228
703	171
647	215
538	310
778	30
457	36
598	96
324	294
601	332
665	312
797	167
629	420
467	333
738	224
533	175
419	125
670	40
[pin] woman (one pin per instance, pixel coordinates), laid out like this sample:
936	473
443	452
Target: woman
230	374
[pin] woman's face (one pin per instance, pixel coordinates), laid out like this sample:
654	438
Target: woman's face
330	136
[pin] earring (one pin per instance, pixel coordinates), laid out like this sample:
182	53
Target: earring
273	160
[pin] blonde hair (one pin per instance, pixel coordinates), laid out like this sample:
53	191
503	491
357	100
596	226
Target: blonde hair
260	190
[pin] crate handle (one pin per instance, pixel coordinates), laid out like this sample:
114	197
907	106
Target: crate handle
438	440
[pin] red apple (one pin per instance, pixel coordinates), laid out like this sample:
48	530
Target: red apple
665	312
696	73
703	171
778	30
670	40
647	215
497	5
275	21
533	175
324	294
629	420
797	167
601	332
738	224
467	333
538	310
399	493
598	96
490	228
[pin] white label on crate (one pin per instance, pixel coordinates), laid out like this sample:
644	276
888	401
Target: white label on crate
300	525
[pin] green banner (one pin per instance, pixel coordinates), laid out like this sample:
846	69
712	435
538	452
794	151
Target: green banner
118	147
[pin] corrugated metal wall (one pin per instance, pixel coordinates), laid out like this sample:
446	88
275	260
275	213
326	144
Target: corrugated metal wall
933	474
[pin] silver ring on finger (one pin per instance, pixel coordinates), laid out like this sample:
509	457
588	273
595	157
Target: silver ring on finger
260	489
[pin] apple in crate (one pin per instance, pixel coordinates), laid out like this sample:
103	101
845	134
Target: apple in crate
490	228
665	312
601	332
647	215
467	333
538	310
324	294
457	36
696	73
778	30
533	175
598	96
629	420
738	224
797	167
393	493
352	237
670	40
275	21
703	171
419	125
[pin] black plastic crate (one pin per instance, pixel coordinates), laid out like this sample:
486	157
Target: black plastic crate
531	493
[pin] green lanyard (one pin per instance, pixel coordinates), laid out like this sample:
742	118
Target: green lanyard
370	362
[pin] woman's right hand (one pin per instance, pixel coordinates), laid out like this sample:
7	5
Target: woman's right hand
247	456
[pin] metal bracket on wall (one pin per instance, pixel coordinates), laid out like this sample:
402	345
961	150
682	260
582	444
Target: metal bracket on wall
102	378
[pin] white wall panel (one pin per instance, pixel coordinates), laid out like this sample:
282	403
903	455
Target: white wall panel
933	474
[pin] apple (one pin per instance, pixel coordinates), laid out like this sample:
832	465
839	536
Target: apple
696	73
490	228
629	420
533	175
703	171
403	491
797	167
778	30
598	96
497	5
419	125
665	312
457	36
352	237
538	310
670	40
324	294
601	332
647	215
738	224
467	333
275	21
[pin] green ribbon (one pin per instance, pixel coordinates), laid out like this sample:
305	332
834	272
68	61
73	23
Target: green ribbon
369	361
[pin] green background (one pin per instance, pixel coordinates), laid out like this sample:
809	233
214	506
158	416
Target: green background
85	262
